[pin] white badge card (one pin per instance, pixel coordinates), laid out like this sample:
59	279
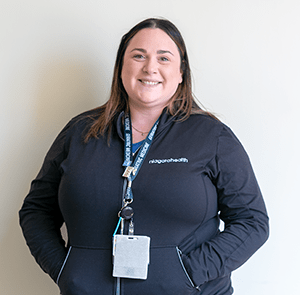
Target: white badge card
131	256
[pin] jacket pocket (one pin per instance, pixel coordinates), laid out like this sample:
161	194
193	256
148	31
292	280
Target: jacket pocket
63	265
165	276
179	253
87	271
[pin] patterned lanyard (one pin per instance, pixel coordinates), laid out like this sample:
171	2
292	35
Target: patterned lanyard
131	171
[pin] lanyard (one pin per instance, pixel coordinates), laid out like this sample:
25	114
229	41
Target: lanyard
131	171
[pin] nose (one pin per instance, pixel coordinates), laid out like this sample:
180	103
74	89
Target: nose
150	66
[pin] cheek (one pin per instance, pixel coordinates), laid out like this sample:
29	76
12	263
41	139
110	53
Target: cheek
174	74
124	72
175	78
128	72
128	79
125	75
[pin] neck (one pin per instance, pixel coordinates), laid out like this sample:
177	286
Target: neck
142	120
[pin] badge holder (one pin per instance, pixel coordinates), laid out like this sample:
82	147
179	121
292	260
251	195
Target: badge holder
130	252
131	256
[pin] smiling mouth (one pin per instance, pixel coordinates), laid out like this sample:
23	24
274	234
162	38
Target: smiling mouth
149	82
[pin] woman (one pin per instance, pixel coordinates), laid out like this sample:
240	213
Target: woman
188	171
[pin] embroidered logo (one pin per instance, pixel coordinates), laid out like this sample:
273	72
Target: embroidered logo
171	160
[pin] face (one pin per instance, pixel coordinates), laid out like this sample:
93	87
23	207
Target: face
151	69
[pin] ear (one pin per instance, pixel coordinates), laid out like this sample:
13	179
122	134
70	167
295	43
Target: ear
182	68
180	77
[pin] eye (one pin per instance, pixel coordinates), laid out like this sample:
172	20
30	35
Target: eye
163	58
138	56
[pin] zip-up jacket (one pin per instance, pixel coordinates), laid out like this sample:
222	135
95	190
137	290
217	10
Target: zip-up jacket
195	173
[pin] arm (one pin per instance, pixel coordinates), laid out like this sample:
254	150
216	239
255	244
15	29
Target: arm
40	216
241	208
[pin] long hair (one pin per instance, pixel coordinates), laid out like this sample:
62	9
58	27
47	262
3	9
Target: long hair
182	102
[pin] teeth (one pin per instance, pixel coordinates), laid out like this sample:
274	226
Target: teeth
150	83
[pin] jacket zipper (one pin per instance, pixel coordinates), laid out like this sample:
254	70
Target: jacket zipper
118	280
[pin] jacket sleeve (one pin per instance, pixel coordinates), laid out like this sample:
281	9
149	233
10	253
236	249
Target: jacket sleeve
40	216
242	209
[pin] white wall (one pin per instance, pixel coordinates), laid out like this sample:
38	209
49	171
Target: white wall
56	60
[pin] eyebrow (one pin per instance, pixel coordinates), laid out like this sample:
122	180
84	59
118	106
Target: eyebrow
158	51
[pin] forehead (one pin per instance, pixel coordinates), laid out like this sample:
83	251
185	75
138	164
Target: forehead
152	39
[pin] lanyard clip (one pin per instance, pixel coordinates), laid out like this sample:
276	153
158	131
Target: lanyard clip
128	171
131	228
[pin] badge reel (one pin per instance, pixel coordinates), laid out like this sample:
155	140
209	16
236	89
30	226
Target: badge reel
130	252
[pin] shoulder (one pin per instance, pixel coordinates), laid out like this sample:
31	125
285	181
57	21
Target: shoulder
204	123
218	139
76	127
83	120
86	117
209	131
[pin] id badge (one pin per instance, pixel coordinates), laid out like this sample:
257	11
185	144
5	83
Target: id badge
131	256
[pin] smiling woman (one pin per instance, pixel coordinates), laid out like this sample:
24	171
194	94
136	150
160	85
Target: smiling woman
150	75
180	170
182	102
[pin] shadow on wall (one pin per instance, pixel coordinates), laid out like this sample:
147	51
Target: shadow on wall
62	89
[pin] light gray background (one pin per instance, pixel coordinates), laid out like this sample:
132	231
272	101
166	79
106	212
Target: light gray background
56	60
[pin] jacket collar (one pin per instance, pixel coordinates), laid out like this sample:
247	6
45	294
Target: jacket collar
165	120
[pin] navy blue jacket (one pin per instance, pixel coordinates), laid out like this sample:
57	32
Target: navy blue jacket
195	174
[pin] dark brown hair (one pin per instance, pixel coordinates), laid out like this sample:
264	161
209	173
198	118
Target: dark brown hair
182	102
